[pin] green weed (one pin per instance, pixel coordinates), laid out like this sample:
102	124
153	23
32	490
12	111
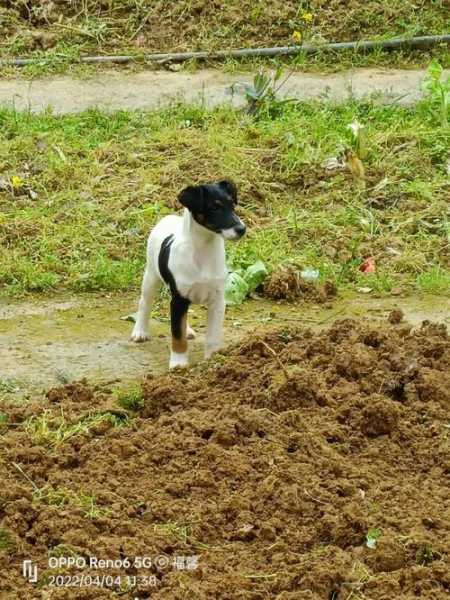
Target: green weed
63	497
130	398
5	539
175	530
261	95
52	430
437	90
434	281
372	537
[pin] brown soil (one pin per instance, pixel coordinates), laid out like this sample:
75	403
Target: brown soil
271	463
287	284
37	25
395	316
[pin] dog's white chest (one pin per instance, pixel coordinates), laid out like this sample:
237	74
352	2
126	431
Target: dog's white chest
201	292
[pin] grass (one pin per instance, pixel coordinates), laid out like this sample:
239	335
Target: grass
57	35
434	281
52	430
175	530
63	497
130	398
5	539
80	192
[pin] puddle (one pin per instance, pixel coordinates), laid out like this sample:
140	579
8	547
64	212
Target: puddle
44	343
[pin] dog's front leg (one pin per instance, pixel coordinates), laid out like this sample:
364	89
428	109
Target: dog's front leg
178	323
214	328
150	287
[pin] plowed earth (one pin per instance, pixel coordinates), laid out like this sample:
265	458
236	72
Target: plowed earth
277	465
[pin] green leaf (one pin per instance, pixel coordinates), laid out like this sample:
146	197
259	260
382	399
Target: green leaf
372	537
278	74
435	70
255	275
236	289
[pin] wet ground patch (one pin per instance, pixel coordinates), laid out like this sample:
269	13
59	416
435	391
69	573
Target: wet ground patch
48	342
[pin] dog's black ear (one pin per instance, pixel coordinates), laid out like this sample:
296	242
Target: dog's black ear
192	198
230	189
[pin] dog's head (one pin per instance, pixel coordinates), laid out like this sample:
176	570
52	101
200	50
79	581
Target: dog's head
212	206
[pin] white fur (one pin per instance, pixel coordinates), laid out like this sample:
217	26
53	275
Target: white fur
178	359
197	262
229	234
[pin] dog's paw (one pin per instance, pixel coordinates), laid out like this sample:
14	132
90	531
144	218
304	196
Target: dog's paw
190	333
210	349
178	360
139	335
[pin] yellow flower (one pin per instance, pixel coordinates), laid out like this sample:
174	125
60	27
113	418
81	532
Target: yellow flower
16	181
307	17
297	36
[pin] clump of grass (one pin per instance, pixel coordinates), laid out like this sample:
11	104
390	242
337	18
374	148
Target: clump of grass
261	94
62	497
52	430
434	281
130	398
175	530
5	539
437	90
65	550
425	554
8	386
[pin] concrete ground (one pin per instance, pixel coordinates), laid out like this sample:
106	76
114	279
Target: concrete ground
113	90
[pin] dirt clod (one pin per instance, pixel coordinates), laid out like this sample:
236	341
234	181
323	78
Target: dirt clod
395	316
287	284
380	416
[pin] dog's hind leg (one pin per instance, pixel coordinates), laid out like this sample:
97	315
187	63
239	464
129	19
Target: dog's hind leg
150	286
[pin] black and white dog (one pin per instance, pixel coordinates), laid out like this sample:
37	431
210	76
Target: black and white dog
188	254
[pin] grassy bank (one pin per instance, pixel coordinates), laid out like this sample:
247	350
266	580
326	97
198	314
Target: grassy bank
60	32
80	193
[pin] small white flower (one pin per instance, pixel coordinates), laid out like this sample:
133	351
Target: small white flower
355	128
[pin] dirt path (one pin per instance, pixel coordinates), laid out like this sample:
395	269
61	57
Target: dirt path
113	90
46	342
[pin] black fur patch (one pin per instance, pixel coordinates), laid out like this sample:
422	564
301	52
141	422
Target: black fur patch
213	205
163	263
178	308
178	305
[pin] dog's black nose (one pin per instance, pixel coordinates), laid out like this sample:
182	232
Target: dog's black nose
240	229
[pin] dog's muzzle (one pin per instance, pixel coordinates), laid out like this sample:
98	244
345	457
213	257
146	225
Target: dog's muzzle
234	233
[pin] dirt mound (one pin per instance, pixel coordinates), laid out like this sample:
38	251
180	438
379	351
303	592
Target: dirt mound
287	284
295	465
